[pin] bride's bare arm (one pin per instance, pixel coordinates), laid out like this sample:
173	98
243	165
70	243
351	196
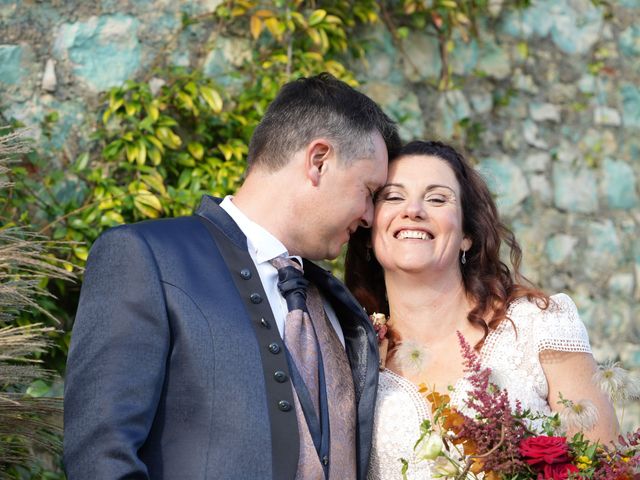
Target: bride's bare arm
571	374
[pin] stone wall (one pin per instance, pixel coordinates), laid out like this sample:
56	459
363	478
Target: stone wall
547	101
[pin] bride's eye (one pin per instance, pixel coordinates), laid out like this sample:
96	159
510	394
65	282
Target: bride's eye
386	196
439	198
392	197
436	199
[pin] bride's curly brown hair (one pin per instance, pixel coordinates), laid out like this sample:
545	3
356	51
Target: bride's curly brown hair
488	281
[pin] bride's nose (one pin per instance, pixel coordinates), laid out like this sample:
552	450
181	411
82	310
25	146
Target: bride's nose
414	209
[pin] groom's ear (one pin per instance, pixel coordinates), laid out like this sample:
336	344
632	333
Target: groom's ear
317	156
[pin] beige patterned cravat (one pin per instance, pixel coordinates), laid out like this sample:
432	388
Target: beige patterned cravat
307	328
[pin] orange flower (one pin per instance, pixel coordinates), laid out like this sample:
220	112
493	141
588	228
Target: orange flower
437	400
471	448
491	475
477	465
453	420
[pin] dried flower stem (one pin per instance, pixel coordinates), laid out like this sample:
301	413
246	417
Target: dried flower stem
25	263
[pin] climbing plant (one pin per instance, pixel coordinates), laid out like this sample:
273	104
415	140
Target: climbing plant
173	134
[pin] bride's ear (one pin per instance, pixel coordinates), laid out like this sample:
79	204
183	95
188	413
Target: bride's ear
466	244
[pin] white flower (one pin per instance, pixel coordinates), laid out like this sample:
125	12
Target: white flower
617	382
610	377
444	467
579	416
411	357
429	447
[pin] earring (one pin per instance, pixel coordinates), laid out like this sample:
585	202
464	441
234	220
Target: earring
367	254
463	258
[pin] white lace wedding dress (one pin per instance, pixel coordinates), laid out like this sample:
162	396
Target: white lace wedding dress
513	359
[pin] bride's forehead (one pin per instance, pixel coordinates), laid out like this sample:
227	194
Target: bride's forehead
421	170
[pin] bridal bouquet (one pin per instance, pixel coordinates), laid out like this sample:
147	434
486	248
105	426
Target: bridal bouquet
497	443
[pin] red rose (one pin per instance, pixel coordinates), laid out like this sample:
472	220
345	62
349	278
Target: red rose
545	450
557	471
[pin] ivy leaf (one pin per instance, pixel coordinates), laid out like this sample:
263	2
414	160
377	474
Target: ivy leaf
196	149
155	156
450	4
131	108
154	181
81	162
147	203
186	100
142	152
314	34
157	143
168	138
38	388
212	97
154	112
255	26
316	17
263	13
299	19
106	115
191	88
185	178
132	152
81	252
112	218
227	151
275	27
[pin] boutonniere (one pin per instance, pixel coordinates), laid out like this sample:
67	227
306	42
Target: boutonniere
380	325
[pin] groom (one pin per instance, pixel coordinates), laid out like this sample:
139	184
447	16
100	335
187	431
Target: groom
178	367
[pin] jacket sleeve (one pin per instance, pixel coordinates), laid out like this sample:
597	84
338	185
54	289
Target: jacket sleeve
116	363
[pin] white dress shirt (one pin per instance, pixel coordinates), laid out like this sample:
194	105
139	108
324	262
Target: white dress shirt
263	247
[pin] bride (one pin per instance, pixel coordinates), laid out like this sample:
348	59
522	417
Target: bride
432	263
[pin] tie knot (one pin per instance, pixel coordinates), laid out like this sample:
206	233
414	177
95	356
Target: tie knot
291	283
282	262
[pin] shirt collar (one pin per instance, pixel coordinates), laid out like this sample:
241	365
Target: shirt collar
263	244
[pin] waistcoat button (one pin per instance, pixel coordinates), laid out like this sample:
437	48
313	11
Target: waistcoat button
255	298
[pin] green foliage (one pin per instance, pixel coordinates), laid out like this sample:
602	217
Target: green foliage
166	139
163	151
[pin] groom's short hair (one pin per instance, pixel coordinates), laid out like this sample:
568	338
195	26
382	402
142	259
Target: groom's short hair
317	107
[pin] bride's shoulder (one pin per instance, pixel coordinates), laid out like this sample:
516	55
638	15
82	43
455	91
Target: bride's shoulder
559	304
557	323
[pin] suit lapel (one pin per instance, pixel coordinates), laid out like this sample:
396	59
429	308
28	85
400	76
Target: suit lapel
232	244
209	208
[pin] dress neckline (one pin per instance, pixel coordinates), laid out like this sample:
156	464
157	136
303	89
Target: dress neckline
456	391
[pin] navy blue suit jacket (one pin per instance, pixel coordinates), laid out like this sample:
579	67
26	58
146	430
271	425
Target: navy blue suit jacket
171	367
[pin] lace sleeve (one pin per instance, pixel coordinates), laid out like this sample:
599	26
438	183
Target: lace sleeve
560	327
